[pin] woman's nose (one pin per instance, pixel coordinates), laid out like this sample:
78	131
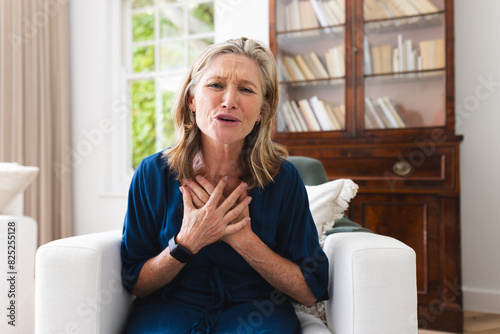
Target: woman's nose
230	99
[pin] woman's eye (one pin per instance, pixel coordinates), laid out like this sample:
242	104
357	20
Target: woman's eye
215	85
247	90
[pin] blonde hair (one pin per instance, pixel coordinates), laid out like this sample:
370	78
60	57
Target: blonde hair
260	156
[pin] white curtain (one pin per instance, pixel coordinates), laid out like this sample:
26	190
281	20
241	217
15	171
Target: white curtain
34	106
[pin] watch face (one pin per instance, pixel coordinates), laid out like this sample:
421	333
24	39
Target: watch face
179	252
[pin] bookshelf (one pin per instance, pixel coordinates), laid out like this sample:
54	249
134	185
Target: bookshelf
367	87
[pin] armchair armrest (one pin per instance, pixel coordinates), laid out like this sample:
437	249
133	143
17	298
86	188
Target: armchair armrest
373	285
78	286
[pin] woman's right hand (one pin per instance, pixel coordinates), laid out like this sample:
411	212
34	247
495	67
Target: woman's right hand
209	223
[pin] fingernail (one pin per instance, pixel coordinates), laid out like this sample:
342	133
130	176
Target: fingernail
199	178
244	185
226	178
249	199
181	190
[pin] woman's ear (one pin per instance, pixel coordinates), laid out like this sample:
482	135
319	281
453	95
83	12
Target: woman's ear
191	103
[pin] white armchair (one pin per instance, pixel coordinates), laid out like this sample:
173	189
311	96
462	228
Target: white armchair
372	286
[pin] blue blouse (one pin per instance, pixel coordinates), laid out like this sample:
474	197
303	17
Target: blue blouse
218	291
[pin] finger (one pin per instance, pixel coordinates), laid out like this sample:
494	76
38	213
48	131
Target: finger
198	203
232	199
242	196
234	213
209	187
231	228
187	200
200	192
217	193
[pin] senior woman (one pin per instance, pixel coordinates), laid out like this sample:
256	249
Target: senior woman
218	236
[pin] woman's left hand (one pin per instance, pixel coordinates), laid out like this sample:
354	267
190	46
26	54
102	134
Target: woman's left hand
200	192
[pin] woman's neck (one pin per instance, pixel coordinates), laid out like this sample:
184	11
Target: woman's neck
215	163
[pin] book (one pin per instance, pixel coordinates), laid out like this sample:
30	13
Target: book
316	65
387	113
320	14
302	124
440	53
432	53
373	114
287	117
308	17
375	10
337	10
321	114
395	60
339	112
294	15
367	59
394	110
410	63
425	6
308	114
393	7
293	69
377	60
304	68
401	54
335	61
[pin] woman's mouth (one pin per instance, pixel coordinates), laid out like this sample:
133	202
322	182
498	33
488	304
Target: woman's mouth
227	118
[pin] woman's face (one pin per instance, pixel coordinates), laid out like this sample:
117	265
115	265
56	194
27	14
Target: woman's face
228	100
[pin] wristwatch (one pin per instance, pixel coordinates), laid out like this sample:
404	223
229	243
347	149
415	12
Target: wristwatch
179	252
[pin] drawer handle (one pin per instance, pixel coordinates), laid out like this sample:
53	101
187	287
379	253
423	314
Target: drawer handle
402	168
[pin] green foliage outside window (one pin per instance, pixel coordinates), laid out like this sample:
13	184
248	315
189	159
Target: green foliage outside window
143	120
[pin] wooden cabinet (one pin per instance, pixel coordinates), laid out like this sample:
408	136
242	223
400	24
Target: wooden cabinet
388	79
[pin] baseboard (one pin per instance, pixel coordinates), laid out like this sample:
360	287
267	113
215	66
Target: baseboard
481	300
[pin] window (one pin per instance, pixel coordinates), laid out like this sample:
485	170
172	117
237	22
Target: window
161	40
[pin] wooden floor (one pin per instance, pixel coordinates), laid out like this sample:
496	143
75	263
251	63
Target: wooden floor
476	322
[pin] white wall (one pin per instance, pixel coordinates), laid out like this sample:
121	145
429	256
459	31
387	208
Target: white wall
94	210
477	56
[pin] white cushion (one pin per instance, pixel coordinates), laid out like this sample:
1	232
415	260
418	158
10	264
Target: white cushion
311	324
329	200
14	179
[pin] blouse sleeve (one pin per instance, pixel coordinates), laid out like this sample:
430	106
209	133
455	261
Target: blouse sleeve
299	234
141	225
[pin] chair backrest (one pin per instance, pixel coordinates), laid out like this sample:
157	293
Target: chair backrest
311	170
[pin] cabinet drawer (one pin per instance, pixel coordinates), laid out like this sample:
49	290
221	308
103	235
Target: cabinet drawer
391	167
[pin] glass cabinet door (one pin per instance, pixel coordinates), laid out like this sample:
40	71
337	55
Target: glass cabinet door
404	64
311	59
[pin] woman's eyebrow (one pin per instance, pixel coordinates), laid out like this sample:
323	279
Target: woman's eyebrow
241	82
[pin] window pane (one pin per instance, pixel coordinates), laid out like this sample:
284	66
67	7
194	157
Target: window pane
168	86
172	55
201	18
171	22
143	26
143	120
196	46
144	59
141	3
